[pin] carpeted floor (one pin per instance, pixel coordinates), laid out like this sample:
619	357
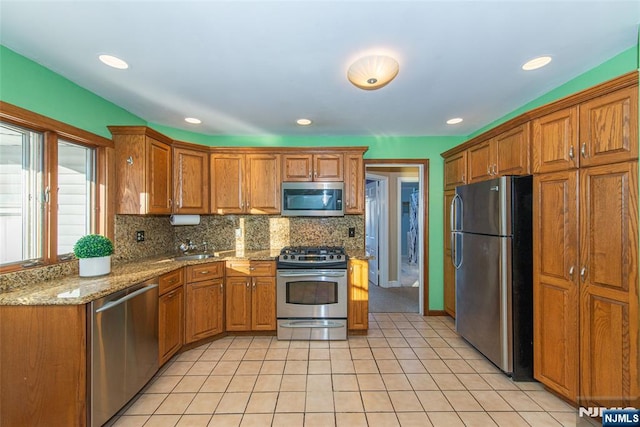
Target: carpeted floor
393	300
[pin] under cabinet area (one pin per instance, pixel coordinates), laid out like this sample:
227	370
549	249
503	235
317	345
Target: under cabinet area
204	301
251	296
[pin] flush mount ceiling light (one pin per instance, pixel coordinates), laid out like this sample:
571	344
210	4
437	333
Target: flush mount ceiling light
536	63
303	122
114	62
373	72
193	120
454	121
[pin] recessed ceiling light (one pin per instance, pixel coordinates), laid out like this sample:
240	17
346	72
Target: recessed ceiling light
193	120
114	62
454	121
304	122
536	63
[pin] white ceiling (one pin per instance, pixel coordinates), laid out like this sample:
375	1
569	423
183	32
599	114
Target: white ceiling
254	67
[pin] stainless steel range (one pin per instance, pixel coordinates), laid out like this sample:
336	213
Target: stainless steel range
312	293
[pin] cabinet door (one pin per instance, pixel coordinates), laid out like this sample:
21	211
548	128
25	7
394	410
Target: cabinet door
263	304
238	304
511	151
609	285
170	324
358	295
354	184
328	167
609	128
203	310
555	282
449	271
191	181
159	187
227	180
455	170
297	167
555	141
480	162
263	177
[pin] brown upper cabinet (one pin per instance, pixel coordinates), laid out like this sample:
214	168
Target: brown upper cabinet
143	170
505	154
190	181
353	183
596	132
313	167
455	170
245	183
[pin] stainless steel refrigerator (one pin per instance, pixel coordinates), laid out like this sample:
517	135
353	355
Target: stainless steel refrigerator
491	236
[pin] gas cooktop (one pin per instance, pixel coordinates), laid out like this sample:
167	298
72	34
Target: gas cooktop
312	257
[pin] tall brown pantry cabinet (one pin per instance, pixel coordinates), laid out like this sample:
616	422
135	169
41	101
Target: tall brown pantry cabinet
585	161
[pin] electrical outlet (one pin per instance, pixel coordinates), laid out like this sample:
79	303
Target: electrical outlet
352	232
139	236
238	233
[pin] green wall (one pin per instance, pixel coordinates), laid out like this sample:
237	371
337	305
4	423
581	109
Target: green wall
28	85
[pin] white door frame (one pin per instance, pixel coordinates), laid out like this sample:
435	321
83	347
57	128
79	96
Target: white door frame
421	225
383	223
400	180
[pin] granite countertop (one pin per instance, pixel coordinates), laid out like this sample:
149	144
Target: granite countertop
74	290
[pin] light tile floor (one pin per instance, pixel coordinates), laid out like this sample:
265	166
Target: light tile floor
408	371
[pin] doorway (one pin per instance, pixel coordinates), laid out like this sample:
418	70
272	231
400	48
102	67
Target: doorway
396	234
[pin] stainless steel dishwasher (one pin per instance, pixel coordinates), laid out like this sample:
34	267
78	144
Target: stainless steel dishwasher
124	348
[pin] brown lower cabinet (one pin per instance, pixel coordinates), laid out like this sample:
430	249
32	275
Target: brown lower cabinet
204	301
358	295
43	365
586	284
170	314
251	296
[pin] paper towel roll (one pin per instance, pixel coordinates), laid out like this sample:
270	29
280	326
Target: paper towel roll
184	219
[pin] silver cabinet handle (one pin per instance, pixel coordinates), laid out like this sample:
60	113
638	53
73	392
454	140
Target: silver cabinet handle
571	272
489	170
571	154
583	273
495	169
583	150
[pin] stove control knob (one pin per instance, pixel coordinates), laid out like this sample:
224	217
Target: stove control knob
339	256
285	256
331	256
293	257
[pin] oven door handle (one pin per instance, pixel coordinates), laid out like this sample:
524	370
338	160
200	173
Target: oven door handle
312	324
313	273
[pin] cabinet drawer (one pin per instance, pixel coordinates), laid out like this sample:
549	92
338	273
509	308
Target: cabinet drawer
170	281
199	273
250	268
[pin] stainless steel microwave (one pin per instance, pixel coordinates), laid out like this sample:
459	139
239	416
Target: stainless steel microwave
312	199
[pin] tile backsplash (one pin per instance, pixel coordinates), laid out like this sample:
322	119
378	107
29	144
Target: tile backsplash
257	232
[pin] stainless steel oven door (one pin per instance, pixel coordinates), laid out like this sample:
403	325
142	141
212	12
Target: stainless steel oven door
318	294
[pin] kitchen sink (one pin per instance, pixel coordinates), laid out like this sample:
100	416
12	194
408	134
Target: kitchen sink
193	257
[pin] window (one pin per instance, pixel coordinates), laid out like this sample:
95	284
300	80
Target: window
76	183
50	188
21	195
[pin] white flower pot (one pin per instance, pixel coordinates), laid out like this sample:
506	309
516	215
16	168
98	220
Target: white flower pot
98	266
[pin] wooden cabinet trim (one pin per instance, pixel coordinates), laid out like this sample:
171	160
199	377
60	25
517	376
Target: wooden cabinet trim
626	80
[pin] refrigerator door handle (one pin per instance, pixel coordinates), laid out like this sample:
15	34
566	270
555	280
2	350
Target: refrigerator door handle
455	212
455	253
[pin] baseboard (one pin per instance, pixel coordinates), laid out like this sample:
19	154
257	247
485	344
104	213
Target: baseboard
437	313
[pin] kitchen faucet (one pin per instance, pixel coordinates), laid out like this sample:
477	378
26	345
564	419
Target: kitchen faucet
187	246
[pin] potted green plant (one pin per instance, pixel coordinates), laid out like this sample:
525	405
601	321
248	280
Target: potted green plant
94	254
